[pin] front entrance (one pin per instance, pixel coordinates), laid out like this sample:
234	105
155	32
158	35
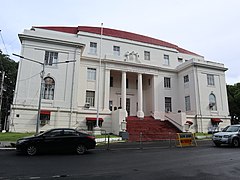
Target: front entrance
128	109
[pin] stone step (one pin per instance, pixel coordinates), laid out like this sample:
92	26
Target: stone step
149	129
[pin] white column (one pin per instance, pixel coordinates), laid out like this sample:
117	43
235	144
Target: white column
106	89
124	90
140	113
156	113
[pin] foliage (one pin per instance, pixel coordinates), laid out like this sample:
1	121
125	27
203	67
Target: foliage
233	92
9	67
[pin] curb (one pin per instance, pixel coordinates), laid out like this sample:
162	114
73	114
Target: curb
9	146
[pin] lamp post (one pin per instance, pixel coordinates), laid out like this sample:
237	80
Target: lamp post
97	129
41	85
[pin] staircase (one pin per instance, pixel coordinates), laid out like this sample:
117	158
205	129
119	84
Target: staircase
149	129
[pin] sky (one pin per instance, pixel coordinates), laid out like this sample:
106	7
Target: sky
210	28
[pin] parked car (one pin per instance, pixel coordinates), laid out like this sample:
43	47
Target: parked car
56	140
229	135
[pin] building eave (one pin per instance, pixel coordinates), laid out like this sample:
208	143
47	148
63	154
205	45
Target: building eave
50	40
201	63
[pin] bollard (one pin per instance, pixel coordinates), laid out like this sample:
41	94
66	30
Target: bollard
108	144
140	138
170	140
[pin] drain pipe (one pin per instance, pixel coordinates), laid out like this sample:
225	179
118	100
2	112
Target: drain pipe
199	104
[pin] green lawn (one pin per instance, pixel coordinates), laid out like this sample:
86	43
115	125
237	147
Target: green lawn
202	134
11	136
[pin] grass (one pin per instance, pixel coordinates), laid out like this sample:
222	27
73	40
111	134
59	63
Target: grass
106	136
202	134
12	137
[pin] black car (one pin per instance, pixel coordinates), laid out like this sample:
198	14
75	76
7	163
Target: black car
56	140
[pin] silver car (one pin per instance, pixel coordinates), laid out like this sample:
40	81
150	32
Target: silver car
230	135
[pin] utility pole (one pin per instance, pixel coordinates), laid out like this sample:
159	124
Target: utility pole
1	97
41	85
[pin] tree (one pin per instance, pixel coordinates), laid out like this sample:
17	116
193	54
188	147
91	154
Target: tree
233	92
8	75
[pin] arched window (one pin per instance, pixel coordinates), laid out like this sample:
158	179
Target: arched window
49	87
212	102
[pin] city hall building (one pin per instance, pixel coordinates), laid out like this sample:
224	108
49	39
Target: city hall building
96	75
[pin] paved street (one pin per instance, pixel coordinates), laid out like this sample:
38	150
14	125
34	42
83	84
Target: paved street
202	162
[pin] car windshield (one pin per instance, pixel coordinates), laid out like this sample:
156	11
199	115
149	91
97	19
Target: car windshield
43	132
232	129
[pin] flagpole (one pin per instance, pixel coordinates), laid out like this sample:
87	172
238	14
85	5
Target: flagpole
99	76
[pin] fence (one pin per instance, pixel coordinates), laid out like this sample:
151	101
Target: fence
142	141
138	141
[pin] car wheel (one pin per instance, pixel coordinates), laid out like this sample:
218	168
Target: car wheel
81	149
235	142
217	144
31	150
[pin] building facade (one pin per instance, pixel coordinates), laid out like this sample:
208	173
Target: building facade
115	74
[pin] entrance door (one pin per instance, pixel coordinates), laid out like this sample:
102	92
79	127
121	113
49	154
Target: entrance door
128	106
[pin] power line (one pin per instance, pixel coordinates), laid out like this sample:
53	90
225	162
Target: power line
3	41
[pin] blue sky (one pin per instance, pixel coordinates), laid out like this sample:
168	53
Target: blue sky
207	27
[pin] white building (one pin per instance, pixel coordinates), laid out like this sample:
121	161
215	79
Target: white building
134	75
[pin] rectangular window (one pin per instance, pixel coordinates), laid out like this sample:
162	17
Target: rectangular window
167	82
90	98
210	80
186	79
146	55
91	74
168	104
116	50
50	58
111	81
187	103
166	60
127	83
93	48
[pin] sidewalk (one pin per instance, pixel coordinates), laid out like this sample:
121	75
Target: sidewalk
120	145
5	145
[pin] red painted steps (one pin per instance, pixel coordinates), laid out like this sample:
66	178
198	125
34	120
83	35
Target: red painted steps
149	129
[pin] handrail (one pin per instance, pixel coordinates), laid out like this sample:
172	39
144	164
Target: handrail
174	122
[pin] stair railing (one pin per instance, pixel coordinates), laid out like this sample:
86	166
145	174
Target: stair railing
176	124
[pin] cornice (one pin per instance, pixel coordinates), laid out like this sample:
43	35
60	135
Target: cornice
50	40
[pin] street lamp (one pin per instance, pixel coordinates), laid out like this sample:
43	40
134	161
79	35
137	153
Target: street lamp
41	85
97	128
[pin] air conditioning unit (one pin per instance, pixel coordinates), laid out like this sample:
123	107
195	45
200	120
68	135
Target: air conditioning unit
211	104
87	105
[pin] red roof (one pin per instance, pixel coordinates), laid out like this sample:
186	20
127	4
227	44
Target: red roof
118	34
